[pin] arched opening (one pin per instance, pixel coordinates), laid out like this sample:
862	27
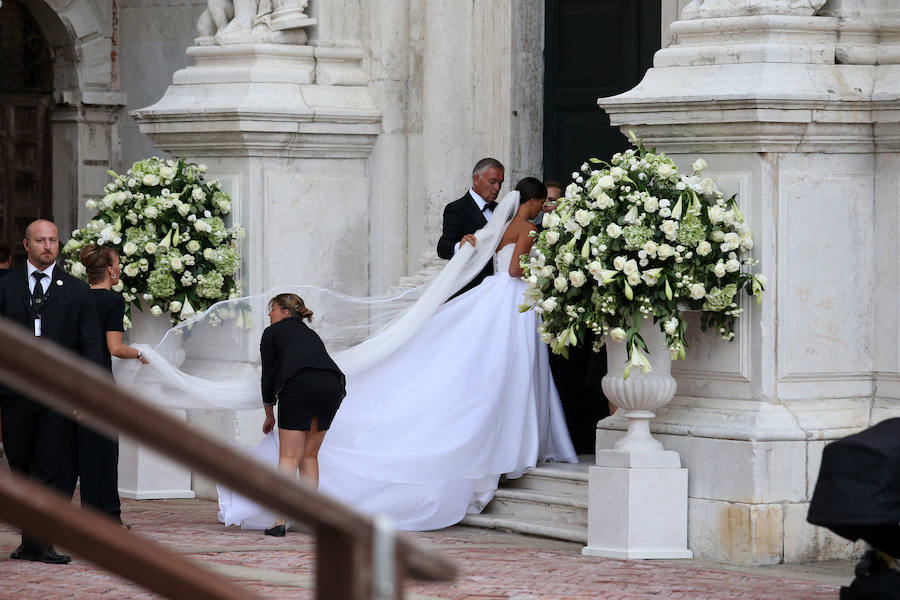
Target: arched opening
26	102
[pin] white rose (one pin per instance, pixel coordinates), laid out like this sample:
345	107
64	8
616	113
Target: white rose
617	334
150	248
583	217
561	284
704	248
568	257
665	251
719	270
150	179
572	191
716	214
732	239
651	204
91	205
550	221
78	270
209	254
613	230
183	209
166	172
670	228
119	286
619	262
733	265
132	269
717	235
552	236
698	291
671	326
698	165
665	170
577	278
174	306
617	173
197	194
549	304
746	240
650	248
630	267
603	201
193	246
177	265
634	278
150	212
606	182
156	310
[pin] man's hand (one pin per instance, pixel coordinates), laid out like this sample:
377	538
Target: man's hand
468	238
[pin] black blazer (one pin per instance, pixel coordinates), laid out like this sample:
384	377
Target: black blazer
462	217
69	317
286	348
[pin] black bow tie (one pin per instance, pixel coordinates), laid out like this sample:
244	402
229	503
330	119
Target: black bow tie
491	206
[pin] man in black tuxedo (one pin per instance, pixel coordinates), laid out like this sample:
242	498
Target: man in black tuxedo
5	260
43	298
465	216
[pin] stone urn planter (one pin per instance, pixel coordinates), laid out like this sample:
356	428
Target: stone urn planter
641	393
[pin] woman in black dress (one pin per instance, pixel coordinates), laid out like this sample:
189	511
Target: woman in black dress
308	386
98	455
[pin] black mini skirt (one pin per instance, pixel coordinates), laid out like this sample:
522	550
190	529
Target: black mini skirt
310	393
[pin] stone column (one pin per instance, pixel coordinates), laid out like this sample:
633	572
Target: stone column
288	128
794	105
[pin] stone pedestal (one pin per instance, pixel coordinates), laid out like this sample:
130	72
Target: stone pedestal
143	473
797	113
637	512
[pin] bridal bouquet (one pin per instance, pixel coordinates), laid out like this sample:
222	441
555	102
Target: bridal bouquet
634	239
167	225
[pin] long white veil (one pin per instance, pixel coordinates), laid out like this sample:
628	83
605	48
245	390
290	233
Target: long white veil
211	361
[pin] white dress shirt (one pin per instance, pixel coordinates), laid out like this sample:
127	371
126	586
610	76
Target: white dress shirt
45	282
487	212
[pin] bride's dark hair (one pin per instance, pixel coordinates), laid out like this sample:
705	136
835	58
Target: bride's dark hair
293	304
530	188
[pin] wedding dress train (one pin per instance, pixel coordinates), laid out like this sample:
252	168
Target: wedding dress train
424	434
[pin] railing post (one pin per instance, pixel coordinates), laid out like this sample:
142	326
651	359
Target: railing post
344	566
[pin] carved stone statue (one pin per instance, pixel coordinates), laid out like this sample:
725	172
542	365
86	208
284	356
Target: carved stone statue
253	21
708	9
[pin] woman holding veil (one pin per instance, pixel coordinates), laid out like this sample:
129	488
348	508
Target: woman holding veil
440	402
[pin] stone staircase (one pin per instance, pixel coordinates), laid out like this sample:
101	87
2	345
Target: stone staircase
550	501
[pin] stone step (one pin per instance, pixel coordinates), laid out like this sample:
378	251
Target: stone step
549	501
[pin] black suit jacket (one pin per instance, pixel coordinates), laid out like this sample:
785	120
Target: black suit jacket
69	317
462	217
286	348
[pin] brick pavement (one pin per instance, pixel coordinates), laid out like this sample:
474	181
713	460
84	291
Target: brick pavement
493	565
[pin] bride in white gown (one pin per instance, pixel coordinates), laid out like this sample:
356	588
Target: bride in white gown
447	406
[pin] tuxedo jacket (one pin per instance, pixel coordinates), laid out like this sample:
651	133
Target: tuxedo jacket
68	317
462	217
286	348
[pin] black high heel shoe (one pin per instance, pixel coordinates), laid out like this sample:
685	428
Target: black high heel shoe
276	531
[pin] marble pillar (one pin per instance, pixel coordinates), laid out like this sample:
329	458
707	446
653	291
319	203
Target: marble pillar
794	106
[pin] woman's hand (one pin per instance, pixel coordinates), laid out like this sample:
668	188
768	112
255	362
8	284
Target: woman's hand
268	424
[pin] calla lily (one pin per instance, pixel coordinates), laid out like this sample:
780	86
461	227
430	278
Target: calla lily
186	310
166	242
586	248
676	210
573	340
639	360
738	215
118	223
628	292
176	237
607	276
631	215
695	203
668	290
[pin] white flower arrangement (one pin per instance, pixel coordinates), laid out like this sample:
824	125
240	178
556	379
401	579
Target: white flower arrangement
168	227
651	241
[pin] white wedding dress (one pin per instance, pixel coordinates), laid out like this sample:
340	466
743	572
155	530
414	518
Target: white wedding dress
425	433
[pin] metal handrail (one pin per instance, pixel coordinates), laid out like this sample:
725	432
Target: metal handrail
344	536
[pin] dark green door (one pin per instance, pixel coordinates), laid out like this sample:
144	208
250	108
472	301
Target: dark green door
593	48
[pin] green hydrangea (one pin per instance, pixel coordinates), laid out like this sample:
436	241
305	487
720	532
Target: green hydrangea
219	231
137	235
636	236
720	298
691	231
209	285
228	260
161	284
